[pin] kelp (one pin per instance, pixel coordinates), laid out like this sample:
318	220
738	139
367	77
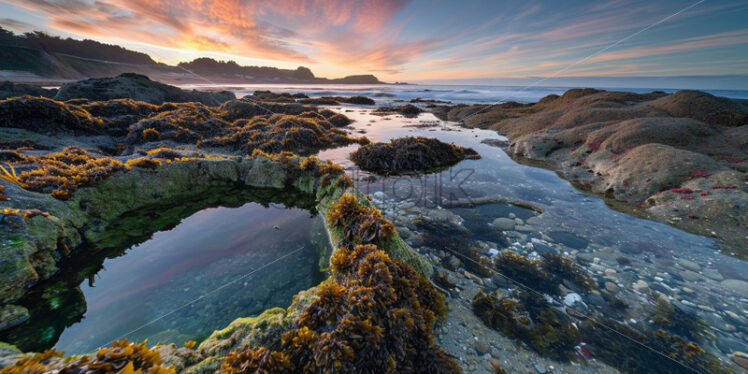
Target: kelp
410	154
63	172
373	316
122	357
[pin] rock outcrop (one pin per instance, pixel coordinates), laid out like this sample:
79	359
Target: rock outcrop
411	154
137	87
10	89
679	158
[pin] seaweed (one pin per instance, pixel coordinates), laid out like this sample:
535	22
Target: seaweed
529	318
644	352
121	357
358	223
281	132
143	162
63	172
410	154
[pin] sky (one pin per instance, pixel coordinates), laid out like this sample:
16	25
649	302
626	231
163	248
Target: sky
416	41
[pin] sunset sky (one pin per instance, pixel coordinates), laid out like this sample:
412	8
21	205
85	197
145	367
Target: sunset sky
414	40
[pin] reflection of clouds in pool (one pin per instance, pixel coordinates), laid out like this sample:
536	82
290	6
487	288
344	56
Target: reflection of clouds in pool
206	250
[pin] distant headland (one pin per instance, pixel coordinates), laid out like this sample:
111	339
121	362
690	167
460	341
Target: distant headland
36	57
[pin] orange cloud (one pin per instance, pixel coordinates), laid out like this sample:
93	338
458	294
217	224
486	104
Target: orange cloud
242	27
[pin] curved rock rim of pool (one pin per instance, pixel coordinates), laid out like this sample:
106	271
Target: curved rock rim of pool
89	219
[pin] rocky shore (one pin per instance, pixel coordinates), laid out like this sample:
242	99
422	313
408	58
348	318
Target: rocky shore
679	158
74	170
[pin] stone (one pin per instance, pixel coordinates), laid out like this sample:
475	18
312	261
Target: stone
690	265
736	285
713	274
740	358
137	87
540	368
611	287
12	315
595	299
641	286
504	224
572	298
453	262
481	347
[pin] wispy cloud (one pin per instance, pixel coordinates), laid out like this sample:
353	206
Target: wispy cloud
412	38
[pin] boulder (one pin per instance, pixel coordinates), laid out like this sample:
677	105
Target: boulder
139	88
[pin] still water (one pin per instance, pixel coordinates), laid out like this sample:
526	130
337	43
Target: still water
215	266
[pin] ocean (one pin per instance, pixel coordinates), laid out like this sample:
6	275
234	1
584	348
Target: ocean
455	94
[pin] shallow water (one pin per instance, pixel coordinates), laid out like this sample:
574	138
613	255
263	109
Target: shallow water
687	268
456	94
213	267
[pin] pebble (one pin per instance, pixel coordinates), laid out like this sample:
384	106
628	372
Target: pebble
610	271
690	265
611	287
572	299
481	347
740	358
504	224
713	274
641	286
736	285
540	368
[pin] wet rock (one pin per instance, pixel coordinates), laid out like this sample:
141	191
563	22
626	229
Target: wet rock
137	87
736	285
10	89
504	224
690	265
713	274
572	299
445	278
595	299
740	358
690	275
569	239
611	287
641	286
410	154
453	262
481	347
12	315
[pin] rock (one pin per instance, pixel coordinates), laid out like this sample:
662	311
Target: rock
10	89
713	274
611	287
445	278
736	285
504	224
690	265
137	87
690	276
409	154
740	358
572	298
641	286
454	262
586	257
12	315
481	347
595	299
540	368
